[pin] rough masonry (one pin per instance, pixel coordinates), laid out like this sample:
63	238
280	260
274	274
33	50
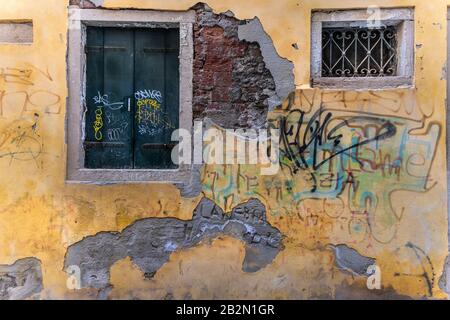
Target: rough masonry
234	82
21	280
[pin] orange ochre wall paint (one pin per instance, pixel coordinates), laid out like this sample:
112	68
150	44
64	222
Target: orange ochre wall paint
404	227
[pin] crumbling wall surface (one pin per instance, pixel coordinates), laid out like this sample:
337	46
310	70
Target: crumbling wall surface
280	68
350	260
370	197
21	280
86	3
150	242
232	85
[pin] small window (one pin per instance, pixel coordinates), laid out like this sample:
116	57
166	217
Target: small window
130	89
351	51
132	97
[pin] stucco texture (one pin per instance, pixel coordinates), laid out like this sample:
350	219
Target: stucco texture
388	206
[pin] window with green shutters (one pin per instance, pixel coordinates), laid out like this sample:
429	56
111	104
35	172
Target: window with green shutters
132	97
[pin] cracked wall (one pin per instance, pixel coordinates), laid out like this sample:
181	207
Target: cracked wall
232	83
21	280
383	203
150	242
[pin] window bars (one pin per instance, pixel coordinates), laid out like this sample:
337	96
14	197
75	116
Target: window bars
359	52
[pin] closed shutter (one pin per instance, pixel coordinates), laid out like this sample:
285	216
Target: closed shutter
157	96
132	97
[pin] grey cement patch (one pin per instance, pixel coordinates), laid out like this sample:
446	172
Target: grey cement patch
348	259
20	280
444	281
150	242
194	187
280	68
97	3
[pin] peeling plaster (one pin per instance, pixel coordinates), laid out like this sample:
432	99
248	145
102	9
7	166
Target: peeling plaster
97	3
444	281
420	102
232	84
350	260
282	69
194	187
150	242
20	280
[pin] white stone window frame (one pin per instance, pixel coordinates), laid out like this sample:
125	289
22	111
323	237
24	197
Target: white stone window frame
79	19
402	18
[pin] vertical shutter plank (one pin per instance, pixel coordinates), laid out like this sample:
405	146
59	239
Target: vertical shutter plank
157	101
94	82
110	127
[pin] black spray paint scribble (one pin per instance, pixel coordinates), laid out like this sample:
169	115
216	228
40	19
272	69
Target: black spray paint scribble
304	141
428	274
150	242
311	136
20	141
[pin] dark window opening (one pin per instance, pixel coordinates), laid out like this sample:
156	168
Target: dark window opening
359	52
132	97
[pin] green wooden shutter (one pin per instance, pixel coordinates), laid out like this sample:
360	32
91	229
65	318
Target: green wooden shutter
110	69
132	97
157	97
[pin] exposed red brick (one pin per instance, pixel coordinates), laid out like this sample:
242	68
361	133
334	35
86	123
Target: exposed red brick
229	75
221	94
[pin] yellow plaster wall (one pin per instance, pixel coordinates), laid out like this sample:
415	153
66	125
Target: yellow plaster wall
40	215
